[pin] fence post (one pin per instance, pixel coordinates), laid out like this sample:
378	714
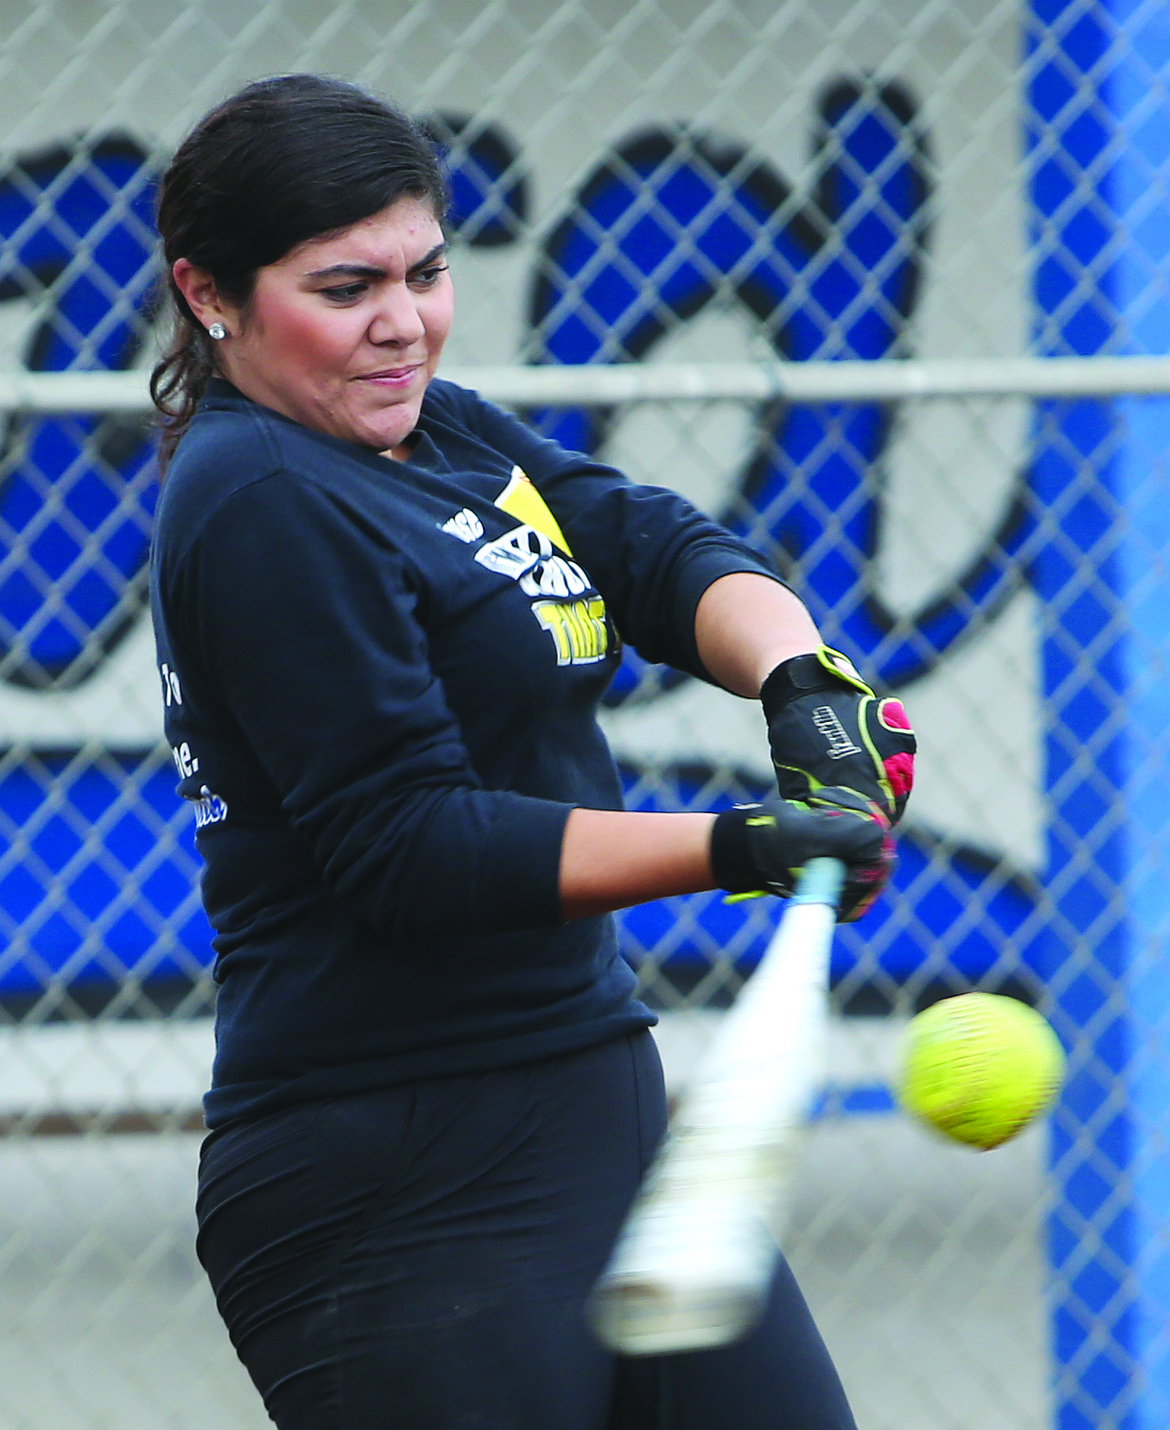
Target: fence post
1098	164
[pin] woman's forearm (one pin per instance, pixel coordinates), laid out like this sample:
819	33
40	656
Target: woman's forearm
745	625
612	859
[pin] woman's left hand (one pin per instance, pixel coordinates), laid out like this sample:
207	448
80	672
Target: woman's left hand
761	848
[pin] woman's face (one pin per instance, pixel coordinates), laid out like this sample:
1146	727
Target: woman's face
344	333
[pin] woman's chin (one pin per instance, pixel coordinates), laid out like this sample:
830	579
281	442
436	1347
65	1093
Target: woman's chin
383	437
389	433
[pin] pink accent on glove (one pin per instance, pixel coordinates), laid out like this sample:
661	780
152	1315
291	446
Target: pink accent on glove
875	876
892	714
865	882
900	767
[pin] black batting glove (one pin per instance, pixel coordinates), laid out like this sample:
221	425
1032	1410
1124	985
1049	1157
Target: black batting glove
827	727
761	848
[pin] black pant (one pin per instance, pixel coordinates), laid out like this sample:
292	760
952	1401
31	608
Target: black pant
417	1258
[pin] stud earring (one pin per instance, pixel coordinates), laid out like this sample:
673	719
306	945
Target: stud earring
217	331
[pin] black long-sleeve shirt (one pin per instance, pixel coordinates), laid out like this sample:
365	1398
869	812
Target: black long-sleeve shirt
380	683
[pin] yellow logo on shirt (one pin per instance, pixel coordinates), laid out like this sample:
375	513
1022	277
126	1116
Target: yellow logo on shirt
537	556
522	500
578	629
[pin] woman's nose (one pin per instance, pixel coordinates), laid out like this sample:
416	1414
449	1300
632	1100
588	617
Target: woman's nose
397	320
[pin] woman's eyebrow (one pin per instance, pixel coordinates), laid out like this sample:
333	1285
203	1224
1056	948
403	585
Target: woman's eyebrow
349	270
436	252
371	271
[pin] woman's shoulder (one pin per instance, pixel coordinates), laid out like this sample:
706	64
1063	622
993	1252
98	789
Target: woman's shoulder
234	443
231	451
451	413
448	402
229	441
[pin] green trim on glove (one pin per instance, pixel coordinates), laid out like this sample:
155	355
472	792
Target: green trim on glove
827	729
761	848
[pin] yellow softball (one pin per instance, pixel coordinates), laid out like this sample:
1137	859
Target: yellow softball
979	1067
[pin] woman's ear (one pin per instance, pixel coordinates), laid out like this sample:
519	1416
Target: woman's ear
198	289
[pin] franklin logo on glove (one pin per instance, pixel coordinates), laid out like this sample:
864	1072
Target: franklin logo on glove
831	728
826	727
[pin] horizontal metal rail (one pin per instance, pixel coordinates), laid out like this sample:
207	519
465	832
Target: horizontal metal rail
600	385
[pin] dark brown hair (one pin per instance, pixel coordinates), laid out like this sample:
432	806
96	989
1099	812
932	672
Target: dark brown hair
285	160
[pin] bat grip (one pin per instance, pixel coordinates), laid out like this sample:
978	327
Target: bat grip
820	882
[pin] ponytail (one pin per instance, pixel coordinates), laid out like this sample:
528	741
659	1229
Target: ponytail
178	382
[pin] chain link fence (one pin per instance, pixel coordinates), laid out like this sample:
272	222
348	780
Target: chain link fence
756	208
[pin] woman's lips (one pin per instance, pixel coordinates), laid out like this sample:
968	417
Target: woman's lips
392	376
